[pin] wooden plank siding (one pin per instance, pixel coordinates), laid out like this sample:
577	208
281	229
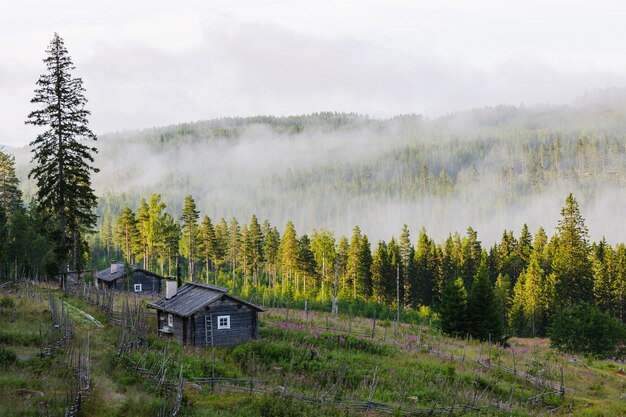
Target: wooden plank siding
149	284
194	303
243	324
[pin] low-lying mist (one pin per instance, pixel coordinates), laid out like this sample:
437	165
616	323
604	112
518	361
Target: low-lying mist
490	169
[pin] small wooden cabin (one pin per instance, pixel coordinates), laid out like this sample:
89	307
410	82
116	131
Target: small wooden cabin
206	315
138	280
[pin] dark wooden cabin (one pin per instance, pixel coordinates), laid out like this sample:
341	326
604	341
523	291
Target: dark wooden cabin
139	280
206	315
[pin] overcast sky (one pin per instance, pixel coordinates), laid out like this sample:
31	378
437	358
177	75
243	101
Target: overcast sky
152	63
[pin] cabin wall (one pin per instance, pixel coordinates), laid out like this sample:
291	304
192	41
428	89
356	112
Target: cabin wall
149	283
243	324
179	329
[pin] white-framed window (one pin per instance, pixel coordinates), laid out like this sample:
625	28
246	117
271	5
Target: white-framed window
170	320
137	287
223	322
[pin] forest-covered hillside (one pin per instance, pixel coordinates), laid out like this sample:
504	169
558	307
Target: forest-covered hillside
493	168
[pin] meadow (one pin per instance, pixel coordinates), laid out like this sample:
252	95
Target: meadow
305	363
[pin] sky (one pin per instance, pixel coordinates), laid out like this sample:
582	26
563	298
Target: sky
149	63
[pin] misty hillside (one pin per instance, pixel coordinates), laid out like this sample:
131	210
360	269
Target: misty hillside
493	168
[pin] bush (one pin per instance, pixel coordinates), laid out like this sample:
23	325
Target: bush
7	302
586	329
7	357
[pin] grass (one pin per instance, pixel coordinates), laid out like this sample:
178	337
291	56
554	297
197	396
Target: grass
315	355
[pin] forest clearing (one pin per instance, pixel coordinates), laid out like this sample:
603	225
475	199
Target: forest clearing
314	362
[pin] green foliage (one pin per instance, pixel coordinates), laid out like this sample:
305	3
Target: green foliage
571	264
10	194
453	310
63	162
7	357
14	337
485	321
584	328
7	302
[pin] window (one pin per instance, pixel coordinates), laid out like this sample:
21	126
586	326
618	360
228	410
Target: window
223	322
170	320
137	287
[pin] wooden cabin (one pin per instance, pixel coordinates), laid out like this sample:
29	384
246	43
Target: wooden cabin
205	316
138	280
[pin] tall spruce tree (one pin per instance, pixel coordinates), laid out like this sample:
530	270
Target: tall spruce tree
571	264
10	194
126	234
453	309
189	238
63	162
484	318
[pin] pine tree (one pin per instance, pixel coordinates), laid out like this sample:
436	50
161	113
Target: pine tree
485	321
143	224
288	250
126	233
255	237
172	232
380	270
107	236
306	264
342	265
323	247
352	272
189	233
364	269
453	311
502	292
209	244
525	246
155	233
407	253
532	299
470	256
571	264
63	163
271	251
619	284
390	285
517	319
234	247
603	275
10	194
425	266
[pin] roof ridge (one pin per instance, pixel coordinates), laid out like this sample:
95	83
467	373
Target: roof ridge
208	286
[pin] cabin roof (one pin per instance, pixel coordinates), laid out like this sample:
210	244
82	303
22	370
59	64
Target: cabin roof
120	272
193	296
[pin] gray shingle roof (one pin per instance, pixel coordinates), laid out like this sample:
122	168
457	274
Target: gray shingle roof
192	297
120	272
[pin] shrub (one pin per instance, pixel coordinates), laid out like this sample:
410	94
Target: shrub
584	328
7	302
7	357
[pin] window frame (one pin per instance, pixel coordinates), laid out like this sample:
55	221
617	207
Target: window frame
135	287
170	320
225	326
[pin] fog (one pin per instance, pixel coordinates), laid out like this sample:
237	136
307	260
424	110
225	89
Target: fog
308	177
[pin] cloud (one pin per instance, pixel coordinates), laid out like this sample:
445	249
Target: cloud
157	63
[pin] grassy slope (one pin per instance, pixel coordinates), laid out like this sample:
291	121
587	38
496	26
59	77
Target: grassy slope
294	355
